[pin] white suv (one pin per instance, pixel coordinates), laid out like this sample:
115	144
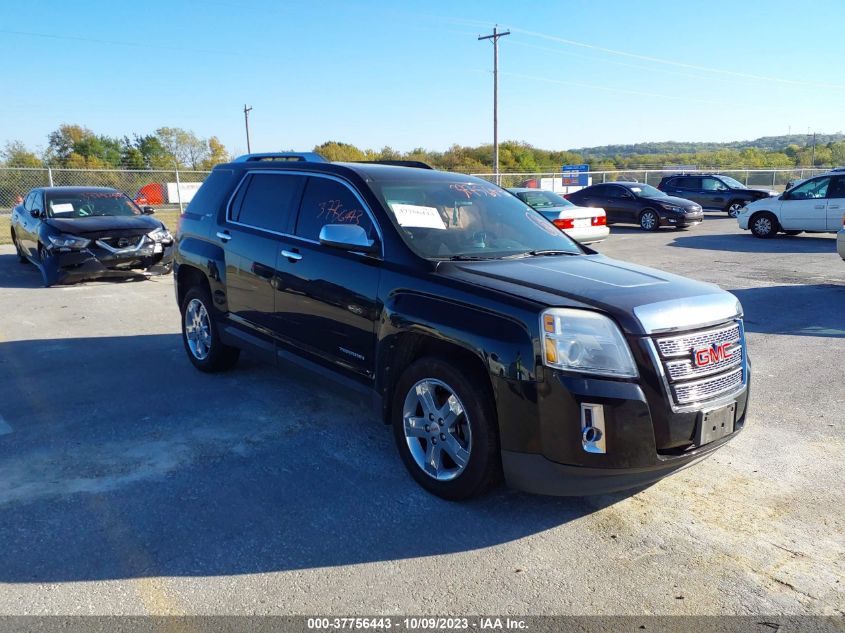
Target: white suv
815	205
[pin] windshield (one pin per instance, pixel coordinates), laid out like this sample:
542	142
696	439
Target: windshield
459	219
646	191
543	199
89	203
730	182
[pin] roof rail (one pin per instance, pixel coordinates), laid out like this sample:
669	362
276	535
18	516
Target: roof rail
308	157
398	163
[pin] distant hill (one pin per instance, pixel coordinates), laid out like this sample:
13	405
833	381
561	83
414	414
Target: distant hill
768	143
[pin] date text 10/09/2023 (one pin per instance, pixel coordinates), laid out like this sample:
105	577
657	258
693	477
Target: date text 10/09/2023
417	623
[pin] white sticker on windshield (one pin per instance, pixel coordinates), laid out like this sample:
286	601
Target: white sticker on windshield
636	189
414	215
62	207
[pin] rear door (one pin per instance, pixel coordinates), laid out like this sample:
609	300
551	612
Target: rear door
259	215
624	204
836	203
688	187
328	296
806	207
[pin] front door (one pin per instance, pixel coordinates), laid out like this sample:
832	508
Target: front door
261	212
327	296
805	207
714	193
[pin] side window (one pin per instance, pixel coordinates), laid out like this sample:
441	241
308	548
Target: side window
29	203
688	183
816	188
327	201
713	184
836	189
614	191
267	201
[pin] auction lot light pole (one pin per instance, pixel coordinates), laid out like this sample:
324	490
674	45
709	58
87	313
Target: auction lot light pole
495	38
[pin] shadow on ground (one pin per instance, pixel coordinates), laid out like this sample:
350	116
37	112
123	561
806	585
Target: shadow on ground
747	243
800	310
125	462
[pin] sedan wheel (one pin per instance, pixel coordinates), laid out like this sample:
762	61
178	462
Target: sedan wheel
735	208
649	221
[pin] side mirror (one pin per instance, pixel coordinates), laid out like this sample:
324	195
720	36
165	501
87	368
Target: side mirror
348	237
36	213
148	210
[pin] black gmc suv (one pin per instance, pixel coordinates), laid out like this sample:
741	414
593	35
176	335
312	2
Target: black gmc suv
713	191
490	341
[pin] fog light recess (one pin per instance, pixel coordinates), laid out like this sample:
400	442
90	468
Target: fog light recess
593	437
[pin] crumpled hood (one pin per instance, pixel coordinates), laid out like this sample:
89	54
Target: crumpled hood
101	224
642	300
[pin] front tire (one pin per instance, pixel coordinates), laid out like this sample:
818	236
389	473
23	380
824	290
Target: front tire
763	225
734	208
446	429
200	335
649	220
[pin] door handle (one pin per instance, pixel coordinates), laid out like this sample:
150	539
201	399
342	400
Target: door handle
820	206
291	255
224	236
833	206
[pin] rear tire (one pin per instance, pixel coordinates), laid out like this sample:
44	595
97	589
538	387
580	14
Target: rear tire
734	208
200	335
764	225
446	429
649	220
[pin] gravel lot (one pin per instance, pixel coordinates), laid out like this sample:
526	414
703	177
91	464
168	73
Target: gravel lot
132	484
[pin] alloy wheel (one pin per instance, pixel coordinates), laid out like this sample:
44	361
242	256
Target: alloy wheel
763	225
734	209
198	329
648	221
437	429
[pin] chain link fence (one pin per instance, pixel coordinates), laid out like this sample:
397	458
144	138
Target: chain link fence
166	189
163	189
756	178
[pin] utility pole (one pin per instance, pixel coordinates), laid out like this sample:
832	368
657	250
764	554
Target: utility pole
495	39
814	150
247	110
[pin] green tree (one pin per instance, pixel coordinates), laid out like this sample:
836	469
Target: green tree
337	151
15	154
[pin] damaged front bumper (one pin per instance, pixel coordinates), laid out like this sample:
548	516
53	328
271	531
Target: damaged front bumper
98	260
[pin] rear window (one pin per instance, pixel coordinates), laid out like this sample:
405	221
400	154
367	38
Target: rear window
213	193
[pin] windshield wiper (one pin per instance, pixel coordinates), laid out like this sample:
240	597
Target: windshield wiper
469	258
551	252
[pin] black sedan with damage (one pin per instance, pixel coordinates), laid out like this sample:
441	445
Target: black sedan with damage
77	233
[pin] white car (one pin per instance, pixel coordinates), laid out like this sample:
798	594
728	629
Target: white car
815	205
583	224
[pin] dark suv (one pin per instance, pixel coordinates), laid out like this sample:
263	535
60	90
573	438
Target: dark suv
490	341
713	191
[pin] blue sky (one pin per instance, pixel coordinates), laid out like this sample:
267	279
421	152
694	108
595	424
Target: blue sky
412	74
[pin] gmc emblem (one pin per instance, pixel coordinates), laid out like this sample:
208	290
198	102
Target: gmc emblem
704	356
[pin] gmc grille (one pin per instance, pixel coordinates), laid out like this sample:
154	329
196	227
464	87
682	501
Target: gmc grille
690	383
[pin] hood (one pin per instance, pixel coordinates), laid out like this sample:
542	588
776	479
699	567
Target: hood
763	193
102	224
684	203
642	300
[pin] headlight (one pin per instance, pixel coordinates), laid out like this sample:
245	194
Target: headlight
672	207
160	235
68	241
586	342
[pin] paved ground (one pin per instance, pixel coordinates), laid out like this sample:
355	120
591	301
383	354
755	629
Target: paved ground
132	484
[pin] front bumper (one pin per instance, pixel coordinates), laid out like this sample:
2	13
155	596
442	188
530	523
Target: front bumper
683	219
63	266
646	439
